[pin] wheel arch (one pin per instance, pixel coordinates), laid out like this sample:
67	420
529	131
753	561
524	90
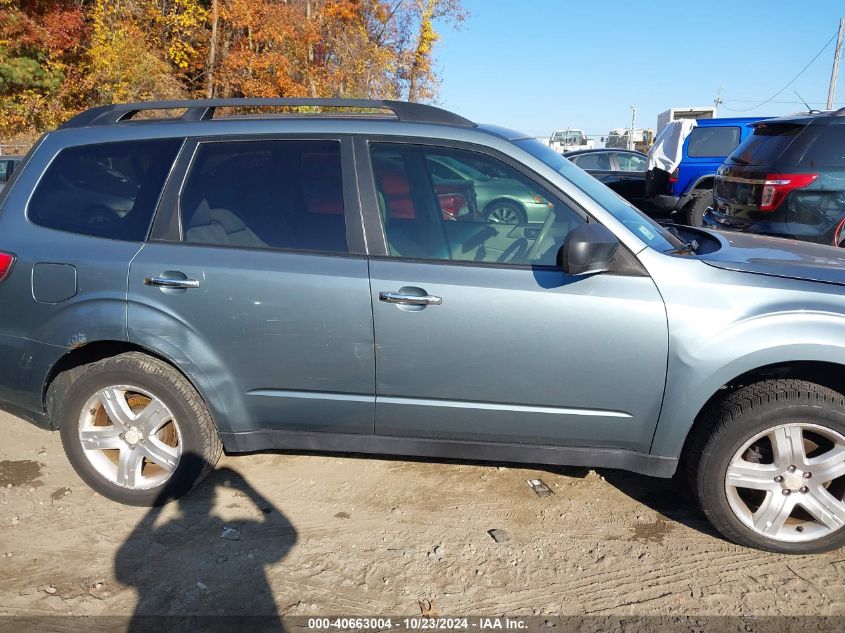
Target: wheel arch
704	183
100	350
826	373
505	198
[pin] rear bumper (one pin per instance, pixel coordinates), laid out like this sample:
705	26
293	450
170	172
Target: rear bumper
26	365
819	234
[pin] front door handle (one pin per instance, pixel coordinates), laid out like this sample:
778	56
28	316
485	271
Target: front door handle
409	300
167	282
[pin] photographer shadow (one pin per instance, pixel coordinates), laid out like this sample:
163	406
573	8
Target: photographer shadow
196	572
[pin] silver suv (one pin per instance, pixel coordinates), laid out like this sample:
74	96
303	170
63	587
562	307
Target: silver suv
178	285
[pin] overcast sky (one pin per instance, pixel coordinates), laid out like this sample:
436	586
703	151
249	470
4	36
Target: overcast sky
539	65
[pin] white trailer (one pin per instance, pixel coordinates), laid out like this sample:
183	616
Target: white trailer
675	114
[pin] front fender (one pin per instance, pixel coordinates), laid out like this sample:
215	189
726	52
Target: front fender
725	323
697	372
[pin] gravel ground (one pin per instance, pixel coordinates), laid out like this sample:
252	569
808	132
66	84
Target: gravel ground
317	535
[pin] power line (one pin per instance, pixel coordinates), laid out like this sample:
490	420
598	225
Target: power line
780	101
791	81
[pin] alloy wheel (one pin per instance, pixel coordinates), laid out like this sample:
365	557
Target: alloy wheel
503	214
130	437
788	482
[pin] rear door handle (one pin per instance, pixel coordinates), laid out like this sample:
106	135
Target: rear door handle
167	282
409	300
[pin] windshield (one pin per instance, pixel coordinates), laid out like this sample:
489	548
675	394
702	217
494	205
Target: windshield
646	229
569	137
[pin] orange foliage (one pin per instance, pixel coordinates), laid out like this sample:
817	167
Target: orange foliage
59	56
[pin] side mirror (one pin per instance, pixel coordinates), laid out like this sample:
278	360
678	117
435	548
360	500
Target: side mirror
587	249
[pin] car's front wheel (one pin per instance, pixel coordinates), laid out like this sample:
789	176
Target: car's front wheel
134	429
767	465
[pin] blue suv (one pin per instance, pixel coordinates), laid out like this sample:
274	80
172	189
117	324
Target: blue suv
688	190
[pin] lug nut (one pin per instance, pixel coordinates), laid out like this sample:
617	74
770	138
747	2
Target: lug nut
803	489
779	478
807	475
786	491
799	528
121	436
791	469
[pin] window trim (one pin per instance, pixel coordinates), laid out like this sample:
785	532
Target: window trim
369	197
167	227
710	127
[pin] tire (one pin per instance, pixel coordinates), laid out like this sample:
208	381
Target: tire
735	433
693	211
508	212
163	444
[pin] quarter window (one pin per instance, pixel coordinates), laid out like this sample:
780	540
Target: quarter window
827	146
104	190
266	194
459	205
706	141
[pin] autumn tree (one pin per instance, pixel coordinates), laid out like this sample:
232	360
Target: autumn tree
60	56
40	52
419	72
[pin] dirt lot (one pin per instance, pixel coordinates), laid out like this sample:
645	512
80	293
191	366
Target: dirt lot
351	535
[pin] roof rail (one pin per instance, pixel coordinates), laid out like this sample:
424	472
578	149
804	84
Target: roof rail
203	110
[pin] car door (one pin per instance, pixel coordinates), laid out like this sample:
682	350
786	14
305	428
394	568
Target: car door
255	277
630	169
480	336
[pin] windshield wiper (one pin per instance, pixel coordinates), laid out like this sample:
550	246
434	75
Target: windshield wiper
686	248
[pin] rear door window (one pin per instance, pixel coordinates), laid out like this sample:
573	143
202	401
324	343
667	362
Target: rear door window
275	194
711	142
106	190
600	161
630	162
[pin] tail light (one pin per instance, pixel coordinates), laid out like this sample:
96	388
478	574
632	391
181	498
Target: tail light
777	186
673	177
451	204
7	261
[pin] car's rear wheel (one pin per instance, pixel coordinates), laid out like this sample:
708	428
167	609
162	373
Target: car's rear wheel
767	465
135	429
693	211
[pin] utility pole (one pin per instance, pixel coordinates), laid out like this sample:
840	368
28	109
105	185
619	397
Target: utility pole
837	55
633	123
718	100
